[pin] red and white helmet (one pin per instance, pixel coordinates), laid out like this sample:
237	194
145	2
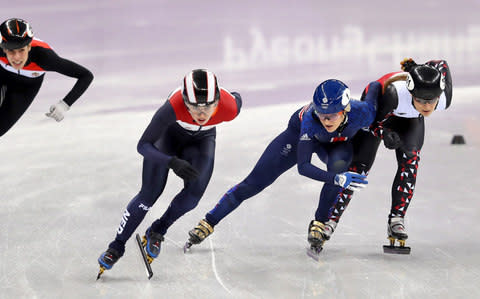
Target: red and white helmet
200	88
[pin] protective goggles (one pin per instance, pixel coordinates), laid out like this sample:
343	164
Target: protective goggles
329	116
425	101
202	109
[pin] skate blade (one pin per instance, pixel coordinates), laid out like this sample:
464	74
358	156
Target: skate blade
186	247
396	249
146	258
100	272
314	253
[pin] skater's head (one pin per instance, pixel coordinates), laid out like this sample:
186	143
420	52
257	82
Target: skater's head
331	102
201	94
426	84
16	37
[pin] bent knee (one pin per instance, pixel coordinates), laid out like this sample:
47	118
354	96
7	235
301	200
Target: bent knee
338	166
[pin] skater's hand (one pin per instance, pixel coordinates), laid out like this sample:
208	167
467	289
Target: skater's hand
391	139
407	64
351	181
183	169
58	110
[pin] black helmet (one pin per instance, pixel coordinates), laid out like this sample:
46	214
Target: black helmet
425	82
15	33
200	88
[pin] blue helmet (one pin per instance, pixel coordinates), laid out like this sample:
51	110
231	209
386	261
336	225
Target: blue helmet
331	96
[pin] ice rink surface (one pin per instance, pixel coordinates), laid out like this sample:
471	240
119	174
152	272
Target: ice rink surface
64	186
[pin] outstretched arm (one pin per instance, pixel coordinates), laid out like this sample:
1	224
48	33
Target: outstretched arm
50	61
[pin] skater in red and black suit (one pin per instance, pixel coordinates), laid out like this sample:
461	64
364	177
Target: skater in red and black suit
181	137
24	61
408	97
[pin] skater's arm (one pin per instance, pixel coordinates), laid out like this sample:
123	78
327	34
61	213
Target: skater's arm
238	101
164	117
50	61
387	102
306	168
228	107
371	100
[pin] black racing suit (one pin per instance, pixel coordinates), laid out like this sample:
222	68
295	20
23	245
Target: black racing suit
395	113
19	87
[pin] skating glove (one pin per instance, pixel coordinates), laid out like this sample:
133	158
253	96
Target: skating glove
407	64
58	110
391	139
183	169
351	181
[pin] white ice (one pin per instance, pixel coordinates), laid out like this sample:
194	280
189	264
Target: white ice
64	187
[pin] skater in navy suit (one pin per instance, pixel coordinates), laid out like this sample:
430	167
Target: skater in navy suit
324	127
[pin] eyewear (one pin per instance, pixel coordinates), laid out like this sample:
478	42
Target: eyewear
330	116
200	109
425	101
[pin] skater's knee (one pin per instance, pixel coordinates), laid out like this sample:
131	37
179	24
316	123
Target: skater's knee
187	203
338	166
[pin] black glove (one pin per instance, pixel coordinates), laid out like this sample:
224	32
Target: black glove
183	169
391	139
407	64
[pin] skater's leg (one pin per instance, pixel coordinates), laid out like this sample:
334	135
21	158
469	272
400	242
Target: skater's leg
365	147
337	157
15	101
201	155
154	178
412	133
153	182
278	157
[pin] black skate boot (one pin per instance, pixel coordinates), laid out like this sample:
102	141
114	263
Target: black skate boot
151	242
198	234
396	231
316	238
107	260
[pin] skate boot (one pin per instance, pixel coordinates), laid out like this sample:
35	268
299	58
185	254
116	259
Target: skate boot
107	260
396	231
316	238
198	234
329	228
151	242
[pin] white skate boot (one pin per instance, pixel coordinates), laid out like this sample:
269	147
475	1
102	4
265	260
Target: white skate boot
396	231
329	228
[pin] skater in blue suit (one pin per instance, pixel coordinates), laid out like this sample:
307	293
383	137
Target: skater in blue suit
324	127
